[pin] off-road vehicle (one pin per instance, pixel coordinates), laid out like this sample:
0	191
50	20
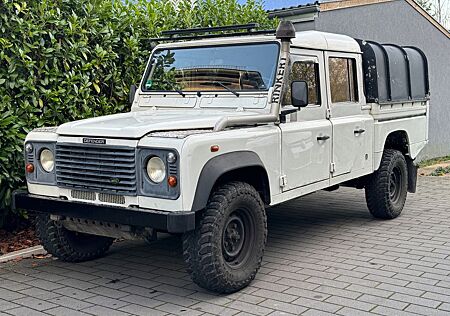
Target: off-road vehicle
225	123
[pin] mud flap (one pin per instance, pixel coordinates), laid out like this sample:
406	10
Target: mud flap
412	175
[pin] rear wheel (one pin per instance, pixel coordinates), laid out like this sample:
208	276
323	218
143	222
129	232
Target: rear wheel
386	189
225	251
68	245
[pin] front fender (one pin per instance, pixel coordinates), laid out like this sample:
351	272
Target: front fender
218	166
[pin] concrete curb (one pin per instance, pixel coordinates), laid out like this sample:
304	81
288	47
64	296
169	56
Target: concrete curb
24	253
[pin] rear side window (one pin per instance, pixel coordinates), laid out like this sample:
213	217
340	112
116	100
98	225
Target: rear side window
343	80
307	71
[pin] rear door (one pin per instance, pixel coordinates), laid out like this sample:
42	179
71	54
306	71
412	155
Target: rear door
306	134
352	127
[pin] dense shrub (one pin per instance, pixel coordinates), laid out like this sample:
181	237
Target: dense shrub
64	60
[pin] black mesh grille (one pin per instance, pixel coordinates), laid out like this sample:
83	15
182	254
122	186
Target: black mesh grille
100	168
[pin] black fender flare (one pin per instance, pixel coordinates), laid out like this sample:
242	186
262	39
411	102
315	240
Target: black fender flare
218	166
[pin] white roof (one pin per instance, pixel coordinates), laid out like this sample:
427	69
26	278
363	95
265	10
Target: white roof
304	39
326	41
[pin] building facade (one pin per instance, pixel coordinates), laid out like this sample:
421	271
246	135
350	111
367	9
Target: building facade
401	22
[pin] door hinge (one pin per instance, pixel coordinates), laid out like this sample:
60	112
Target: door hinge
328	113
283	181
332	167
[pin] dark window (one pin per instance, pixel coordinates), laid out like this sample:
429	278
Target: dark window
343	80
307	71
238	67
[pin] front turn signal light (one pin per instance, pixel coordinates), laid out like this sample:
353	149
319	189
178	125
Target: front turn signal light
172	181
29	168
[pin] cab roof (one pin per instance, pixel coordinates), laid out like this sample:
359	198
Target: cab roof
305	39
325	41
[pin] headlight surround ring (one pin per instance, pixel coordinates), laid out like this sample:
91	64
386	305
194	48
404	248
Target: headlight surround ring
47	160
156	169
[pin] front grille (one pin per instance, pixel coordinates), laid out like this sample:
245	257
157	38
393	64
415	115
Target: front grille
111	198
100	168
83	195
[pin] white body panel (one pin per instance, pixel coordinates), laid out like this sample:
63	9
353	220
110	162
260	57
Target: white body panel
264	141
415	127
305	159
139	123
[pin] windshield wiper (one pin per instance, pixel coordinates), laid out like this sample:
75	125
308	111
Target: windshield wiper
168	82
180	92
225	87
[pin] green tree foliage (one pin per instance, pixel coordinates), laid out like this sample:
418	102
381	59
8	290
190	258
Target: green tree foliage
64	60
426	5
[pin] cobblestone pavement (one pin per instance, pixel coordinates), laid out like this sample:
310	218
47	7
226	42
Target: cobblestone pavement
325	255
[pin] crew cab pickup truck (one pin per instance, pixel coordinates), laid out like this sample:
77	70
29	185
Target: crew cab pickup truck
222	127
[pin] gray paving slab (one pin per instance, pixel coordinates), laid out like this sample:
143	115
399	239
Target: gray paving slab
325	255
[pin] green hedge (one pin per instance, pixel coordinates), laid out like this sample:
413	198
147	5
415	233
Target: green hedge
63	60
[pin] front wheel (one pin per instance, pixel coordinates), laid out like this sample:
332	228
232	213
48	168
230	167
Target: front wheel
387	187
224	253
68	245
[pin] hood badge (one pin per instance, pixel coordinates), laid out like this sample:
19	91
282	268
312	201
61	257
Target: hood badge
96	141
115	180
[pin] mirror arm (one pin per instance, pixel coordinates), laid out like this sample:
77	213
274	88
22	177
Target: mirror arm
131	96
286	112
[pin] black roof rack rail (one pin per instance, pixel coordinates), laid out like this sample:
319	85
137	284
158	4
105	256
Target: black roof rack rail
249	27
172	35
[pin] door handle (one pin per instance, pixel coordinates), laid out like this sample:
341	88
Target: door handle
359	131
324	137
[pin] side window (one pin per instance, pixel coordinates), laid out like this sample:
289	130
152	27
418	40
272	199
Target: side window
343	80
307	71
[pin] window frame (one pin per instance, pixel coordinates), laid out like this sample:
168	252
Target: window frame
170	47
306	59
353	79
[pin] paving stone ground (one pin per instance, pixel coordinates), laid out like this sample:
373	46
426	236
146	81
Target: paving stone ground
325	255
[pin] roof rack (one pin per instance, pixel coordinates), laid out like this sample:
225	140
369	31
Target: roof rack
205	32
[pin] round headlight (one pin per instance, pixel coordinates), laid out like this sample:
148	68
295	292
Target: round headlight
47	160
156	169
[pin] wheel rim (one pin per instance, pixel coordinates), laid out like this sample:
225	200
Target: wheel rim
395	184
237	237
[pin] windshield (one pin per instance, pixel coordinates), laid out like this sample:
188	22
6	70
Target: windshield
247	67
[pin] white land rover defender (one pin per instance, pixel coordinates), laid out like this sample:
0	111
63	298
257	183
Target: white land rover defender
221	128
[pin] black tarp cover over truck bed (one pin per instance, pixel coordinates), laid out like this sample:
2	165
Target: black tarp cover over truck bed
393	73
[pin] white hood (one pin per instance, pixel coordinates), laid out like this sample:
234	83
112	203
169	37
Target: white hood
139	123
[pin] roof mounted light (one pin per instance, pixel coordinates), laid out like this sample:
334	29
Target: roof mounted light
285	30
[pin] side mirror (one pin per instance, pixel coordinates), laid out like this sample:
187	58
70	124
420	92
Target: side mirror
299	94
133	90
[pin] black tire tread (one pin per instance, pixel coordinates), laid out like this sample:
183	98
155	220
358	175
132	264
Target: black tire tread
56	241
377	194
198	248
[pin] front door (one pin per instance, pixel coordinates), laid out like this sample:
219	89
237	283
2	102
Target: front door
306	135
352	127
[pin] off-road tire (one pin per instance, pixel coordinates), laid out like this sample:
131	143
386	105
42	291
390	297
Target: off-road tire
67	245
386	200
205	249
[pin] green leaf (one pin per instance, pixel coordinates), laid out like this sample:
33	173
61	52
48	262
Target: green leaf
96	87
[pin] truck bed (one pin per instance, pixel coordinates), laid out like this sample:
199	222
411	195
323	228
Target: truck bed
396	110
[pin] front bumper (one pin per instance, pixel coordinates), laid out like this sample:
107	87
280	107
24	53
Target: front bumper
172	222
